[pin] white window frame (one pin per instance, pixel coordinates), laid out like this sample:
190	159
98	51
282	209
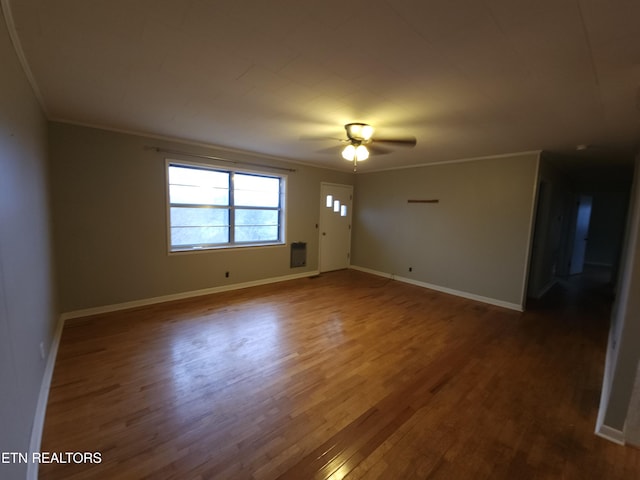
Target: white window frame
231	207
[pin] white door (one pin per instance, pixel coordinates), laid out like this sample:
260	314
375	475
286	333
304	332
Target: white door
583	217
335	226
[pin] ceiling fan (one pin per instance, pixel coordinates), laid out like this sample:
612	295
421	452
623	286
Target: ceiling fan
360	143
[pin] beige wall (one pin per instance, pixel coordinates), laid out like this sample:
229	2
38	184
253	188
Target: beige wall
110	223
474	241
27	315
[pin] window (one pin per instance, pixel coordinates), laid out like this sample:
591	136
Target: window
337	207
214	208
329	201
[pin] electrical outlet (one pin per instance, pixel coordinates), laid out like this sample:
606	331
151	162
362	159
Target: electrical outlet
411	269
42	350
226	274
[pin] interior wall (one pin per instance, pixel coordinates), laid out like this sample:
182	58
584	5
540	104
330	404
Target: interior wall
606	229
551	229
632	423
623	352
110	221
27	310
475	240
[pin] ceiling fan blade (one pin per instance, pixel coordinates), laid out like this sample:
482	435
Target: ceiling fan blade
333	150
321	137
401	142
377	150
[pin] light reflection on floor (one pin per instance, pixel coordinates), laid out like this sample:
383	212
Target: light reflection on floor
231	342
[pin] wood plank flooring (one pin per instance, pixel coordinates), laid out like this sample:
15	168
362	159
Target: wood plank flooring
343	376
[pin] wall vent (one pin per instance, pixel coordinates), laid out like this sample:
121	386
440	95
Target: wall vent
298	254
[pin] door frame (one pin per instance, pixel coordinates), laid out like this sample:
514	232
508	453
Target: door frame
577	236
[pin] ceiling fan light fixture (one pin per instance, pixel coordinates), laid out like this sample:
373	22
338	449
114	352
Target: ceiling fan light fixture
362	153
358	153
359	131
349	152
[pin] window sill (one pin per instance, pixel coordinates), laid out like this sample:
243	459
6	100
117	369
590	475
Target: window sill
249	246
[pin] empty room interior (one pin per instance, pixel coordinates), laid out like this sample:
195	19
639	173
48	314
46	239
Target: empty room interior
319	240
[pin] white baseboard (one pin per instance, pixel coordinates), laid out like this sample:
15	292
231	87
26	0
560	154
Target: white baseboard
180	296
450	291
372	272
43	397
611	434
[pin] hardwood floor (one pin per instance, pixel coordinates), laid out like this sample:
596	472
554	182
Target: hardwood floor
342	376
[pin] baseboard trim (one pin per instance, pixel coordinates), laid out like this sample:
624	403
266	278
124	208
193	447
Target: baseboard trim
543	291
599	264
450	291
43	397
180	296
612	434
549	286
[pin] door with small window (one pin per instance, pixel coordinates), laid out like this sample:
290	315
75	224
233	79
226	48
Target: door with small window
335	226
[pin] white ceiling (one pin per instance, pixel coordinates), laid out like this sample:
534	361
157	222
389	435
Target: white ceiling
468	78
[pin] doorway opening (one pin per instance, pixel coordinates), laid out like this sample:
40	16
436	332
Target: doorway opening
581	216
580	234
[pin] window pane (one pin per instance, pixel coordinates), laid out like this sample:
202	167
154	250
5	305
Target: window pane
247	217
256	191
199	217
343	210
189	195
198	176
256	233
193	186
336	206
196	226
329	201
187	236
256	225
